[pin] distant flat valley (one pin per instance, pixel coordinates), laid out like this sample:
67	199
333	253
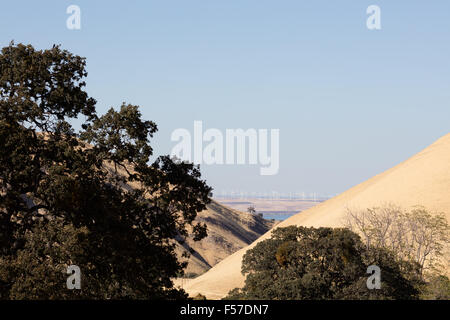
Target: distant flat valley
278	209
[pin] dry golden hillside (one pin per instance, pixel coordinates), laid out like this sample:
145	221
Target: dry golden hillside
424	179
228	231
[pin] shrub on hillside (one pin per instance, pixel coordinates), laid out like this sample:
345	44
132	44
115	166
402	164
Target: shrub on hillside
436	288
417	235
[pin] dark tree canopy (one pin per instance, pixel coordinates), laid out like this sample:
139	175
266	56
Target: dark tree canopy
89	198
301	263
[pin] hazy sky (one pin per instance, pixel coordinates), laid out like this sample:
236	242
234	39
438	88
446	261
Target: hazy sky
349	102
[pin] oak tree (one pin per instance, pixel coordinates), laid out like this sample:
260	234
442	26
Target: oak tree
94	198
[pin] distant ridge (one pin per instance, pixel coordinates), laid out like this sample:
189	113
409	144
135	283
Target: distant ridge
424	179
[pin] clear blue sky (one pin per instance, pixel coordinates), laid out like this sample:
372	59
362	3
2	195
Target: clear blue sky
349	102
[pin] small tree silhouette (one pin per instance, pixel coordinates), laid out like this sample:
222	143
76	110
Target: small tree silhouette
251	210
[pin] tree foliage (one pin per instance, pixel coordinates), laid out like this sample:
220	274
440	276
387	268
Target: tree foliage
307	263
90	198
437	288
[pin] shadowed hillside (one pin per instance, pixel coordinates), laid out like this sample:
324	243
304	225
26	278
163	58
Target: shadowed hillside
228	231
